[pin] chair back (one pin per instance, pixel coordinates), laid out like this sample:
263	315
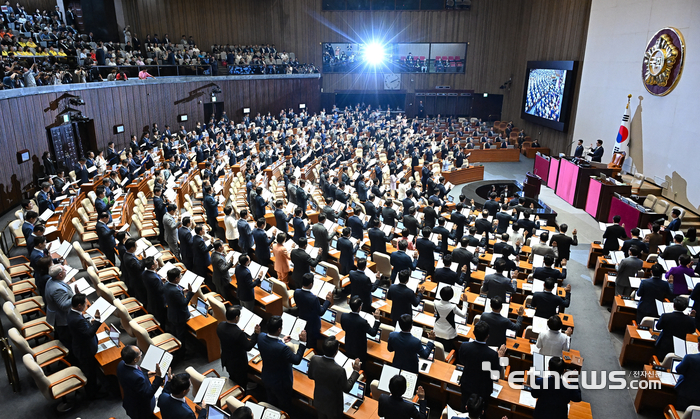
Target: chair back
78	227
218	309
383	264
440	354
93	196
83	215
649	201
279	288
143	340
648	321
6	293
332	271
233	404
40	379
530	334
668	360
20	342
660	206
195	378
385	330
87	205
688	414
124	317
94	277
105	293
375	392
13	314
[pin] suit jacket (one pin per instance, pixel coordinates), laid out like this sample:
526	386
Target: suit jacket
429	216
44	202
302	262
300	229
672	324
131	273
634	242
83	335
220	267
402	299
399	261
262	246
281	258
245	283
175	409
544	272
687	386
357	229
245	236
649	291
378	240
492	206
391	407
322	239
332	382
347	255
426	257
546	303
464	257
504	219
474	378
356	330
177	303
579	151
57	297
200	255
234	345
310	310
411	223
498	326
496	285
407	348
170	227
459	220
597	154
277	361
446	275
138	390
611	235
564	244
628	267
362	286
259	204
154	291
553	402
105	238
673	252
440	230
389	216
483	225
282	220
185	236
211	209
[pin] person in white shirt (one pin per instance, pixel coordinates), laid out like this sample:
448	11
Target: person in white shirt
231	230
445	329
553	342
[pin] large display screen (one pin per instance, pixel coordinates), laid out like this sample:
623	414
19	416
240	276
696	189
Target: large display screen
548	89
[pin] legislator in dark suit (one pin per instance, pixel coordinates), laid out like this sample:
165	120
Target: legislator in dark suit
131	275
235	345
464	258
553	399
627	268
347	255
673	252
178	313
407	348
277	374
84	347
303	263
311	310
220	276
300	229
356	329
362	286
649	291
185	236
446	275
106	240
200	256
378	240
173	408
688	383
331	382
402	299
546	303
496	285
597	154
474	379
564	244
154	290
544	272
426	255
611	236
246	284
395	407
672	324
498	326
322	240
139	400
399	261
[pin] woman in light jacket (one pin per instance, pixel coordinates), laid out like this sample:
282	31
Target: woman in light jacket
231	230
445	329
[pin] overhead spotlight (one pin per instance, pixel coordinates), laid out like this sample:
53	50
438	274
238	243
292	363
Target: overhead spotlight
374	53
76	101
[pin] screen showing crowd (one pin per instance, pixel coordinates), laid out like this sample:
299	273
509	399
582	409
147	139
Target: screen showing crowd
545	93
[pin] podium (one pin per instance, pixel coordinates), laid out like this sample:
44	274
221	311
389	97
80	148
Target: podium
541	167
600	195
531	187
574	179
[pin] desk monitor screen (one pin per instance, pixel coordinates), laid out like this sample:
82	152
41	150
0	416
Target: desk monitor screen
399	225
214	412
201	306
266	286
334	243
321	270
420	307
380	293
303	366
676	363
329	316
358	390
451	198
114	334
360	254
341	222
374	338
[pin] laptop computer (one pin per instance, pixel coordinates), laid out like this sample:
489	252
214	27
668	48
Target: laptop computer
320	270
201	307
329	316
266	285
303	366
214	412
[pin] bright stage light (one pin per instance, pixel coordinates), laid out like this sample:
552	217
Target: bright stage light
374	53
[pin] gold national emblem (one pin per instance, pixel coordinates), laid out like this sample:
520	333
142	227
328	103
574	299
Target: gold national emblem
663	61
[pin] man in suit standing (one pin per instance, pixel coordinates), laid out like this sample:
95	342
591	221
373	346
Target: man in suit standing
464	257
234	346
393	405
139	400
406	347
322	237
85	342
154	290
650	290
185	239
400	260
132	268
475	380
546	303
546	271
281	219
220	276
160	208
57	297
177	302
687	385
634	241
331	380
171	225
361	285
426	252
201	260
628	267
504	219
245	234
300	228
612	234
674	324
302	196
259	203
674	251
357	328
245	283
347	252
410	221
402	297
499	324
302	262
579	149
497	284
211	209
262	242
553	397
597	152
446	275
278	359
81	173
172	403
357	228
310	309
563	243
106	237
378	239
43	198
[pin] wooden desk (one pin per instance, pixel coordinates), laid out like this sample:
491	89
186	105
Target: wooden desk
635	349
204	329
602	268
109	358
531	152
600	195
595	251
621	315
494	155
656	395
607	293
464	175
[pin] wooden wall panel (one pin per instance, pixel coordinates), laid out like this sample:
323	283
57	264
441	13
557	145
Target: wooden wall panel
137	107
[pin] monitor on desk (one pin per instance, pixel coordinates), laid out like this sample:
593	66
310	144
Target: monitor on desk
214	412
380	293
360	254
303	366
329	316
358	390
266	285
201	307
114	334
321	270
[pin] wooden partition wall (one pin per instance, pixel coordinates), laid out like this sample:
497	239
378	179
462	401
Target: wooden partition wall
137	107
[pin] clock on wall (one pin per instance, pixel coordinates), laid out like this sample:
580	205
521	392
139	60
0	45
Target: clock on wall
392	81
